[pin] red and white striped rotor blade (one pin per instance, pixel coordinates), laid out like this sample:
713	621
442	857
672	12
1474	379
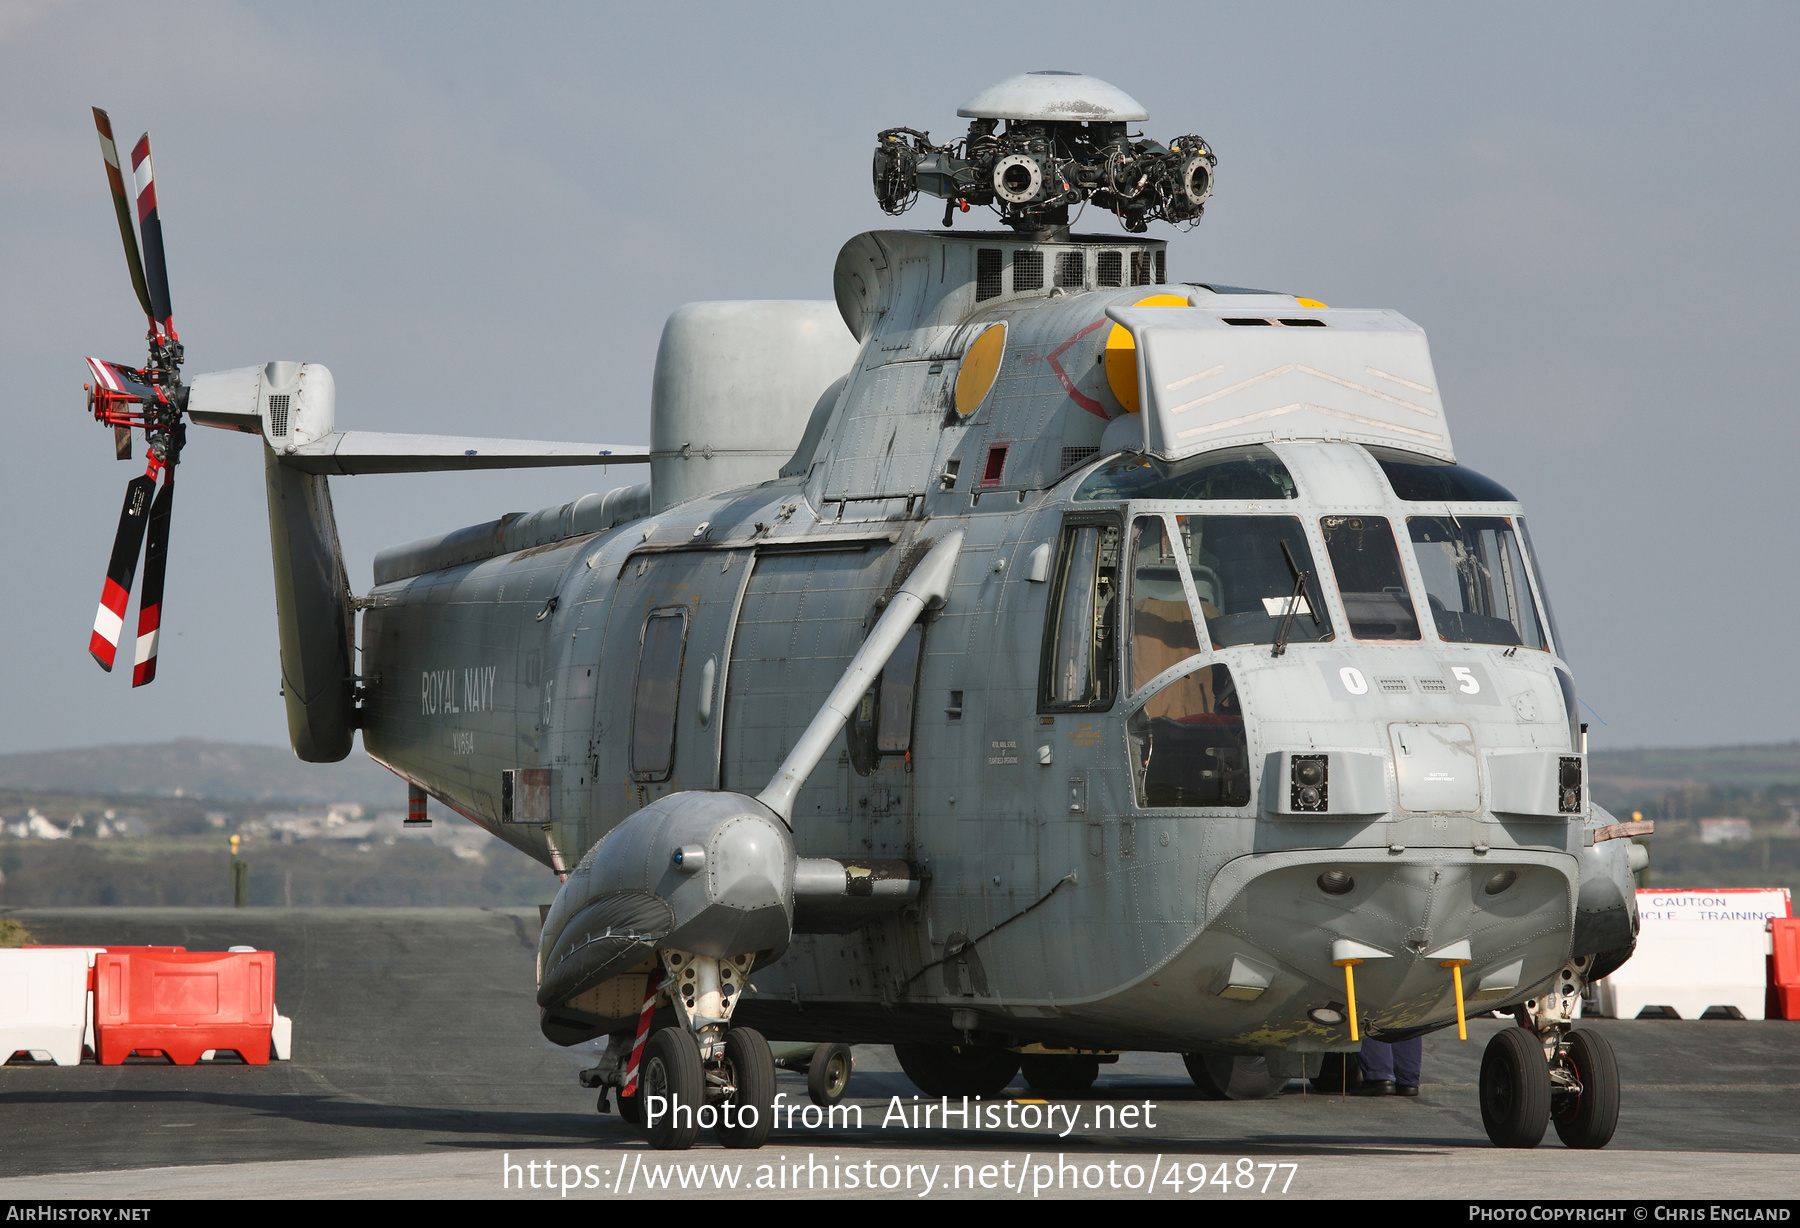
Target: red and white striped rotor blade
109	621
156	269
156	562
115	179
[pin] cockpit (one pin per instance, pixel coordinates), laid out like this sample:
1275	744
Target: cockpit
1225	549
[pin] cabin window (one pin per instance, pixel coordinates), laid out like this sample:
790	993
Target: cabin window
1475	580
882	723
1537	573
1245	571
654	695
1079	662
1162	622
1421	479
1251	472
1370	581
1187	743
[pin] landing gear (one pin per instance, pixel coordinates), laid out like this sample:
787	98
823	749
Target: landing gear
671	1088
1584	1091
748	1112
1543	1071
700	1074
1515	1089
1055	1072
1223	1077
958	1070
828	1074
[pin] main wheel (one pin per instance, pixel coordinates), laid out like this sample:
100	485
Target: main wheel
1589	1119
828	1074
672	1086
751	1068
1055	1072
958	1070
1515	1089
1223	1077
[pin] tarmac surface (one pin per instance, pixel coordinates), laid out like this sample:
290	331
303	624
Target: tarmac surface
418	1071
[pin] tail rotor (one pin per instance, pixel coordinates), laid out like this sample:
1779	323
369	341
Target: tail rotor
150	398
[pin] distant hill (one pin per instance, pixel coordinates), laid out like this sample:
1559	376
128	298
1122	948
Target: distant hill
189	767
1636	772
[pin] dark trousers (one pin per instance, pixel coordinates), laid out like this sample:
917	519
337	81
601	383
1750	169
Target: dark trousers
1399	1062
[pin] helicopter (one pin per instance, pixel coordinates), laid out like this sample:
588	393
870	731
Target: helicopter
1017	663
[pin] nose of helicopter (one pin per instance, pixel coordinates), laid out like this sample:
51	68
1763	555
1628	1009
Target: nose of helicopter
1401	916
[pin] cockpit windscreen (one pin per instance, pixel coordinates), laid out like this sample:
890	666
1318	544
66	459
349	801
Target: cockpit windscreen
1370	579
1246	579
1419	479
1475	580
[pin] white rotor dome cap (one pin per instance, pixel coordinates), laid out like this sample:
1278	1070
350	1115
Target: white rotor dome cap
1054	97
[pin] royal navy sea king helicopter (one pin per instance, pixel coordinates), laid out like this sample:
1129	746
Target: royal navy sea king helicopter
1018	660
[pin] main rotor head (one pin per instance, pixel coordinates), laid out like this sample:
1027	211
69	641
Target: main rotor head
1066	142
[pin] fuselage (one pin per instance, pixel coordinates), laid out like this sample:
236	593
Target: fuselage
1183	724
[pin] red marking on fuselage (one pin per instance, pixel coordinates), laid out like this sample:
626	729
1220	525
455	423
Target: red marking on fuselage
1086	402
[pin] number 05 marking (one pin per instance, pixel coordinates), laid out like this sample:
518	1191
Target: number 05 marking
1468	684
1353	680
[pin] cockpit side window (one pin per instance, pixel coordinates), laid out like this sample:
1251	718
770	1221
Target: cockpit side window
1187	743
655	693
1475	580
1245	569
1366	561
1251	472
1162	622
1079	668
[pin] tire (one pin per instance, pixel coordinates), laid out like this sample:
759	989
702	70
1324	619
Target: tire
828	1074
1050	1072
1220	1076
671	1069
1515	1089
1589	1120
1339	1074
751	1068
958	1070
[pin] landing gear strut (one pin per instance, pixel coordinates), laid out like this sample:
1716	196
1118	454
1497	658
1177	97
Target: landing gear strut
1543	1072
701	1073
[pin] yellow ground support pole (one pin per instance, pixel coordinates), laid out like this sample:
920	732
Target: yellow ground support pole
1462	1023
1350	990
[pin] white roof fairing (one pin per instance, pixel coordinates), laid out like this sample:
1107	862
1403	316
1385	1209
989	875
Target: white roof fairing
1058	97
1365	377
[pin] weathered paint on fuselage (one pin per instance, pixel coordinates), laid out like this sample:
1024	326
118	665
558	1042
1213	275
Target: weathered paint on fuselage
529	660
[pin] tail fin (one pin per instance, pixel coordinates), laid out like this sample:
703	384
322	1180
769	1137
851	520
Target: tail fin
312	605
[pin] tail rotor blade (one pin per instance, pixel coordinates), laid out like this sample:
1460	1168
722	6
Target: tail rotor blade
150	222
122	206
109	621
156	560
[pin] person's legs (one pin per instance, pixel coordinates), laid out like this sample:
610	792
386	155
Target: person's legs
1377	1060
1408	1057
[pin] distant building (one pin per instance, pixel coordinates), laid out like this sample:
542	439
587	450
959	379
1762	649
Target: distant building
1724	831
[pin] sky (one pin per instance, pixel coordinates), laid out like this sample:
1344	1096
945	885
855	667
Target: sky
478	216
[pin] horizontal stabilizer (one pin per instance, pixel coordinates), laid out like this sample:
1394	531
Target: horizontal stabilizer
347	452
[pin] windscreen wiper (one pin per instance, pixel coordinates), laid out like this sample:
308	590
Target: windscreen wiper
1293	605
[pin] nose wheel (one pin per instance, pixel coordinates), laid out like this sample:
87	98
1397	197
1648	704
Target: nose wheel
1515	1089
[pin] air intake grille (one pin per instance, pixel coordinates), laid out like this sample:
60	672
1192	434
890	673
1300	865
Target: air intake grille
278	410
1433	686
1140	268
1112	269
1392	686
987	273
1162	268
1071	269
1028	271
1072	457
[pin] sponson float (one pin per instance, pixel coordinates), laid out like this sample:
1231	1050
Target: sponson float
1020	659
